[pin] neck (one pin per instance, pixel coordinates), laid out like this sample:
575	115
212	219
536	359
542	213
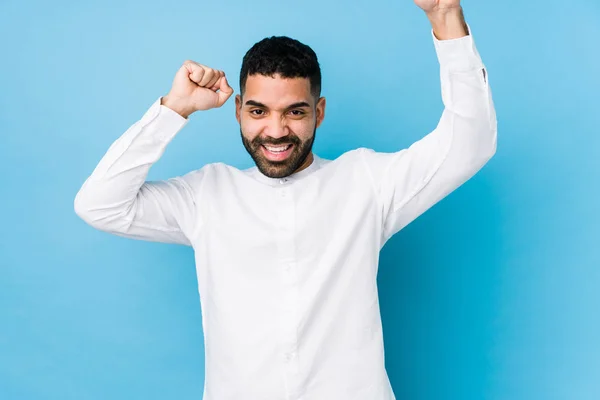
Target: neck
306	163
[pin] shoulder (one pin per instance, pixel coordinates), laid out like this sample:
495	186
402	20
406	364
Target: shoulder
195	178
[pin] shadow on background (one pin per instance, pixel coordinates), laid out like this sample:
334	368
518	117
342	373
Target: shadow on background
437	281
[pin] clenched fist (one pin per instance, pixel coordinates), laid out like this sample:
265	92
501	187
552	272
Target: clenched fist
197	87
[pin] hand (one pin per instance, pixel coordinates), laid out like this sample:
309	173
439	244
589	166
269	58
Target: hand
197	87
434	6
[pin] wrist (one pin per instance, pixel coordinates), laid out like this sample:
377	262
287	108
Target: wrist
448	23
176	105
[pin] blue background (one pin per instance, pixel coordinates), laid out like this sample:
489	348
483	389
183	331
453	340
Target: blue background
492	294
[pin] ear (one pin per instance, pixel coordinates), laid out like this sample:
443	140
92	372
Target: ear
320	110
238	108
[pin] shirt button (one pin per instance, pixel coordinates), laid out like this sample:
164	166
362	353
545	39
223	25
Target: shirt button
289	356
283	180
288	267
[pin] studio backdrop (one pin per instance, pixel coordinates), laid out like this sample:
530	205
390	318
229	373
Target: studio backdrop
493	294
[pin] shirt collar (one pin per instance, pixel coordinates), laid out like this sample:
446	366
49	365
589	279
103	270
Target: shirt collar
314	165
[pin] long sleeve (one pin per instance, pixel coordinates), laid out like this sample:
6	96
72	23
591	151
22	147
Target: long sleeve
412	180
116	197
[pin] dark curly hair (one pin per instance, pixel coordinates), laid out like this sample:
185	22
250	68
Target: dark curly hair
285	56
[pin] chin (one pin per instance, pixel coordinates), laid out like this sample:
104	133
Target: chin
275	169
279	168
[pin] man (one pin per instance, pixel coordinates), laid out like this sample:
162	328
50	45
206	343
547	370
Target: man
287	251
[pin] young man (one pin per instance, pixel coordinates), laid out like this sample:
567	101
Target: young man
287	251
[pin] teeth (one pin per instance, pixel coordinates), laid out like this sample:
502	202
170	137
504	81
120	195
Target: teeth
277	149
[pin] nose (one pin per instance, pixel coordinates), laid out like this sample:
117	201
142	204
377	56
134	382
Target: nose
277	127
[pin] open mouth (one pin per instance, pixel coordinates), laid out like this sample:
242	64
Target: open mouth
277	153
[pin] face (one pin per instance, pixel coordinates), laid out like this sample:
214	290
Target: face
279	113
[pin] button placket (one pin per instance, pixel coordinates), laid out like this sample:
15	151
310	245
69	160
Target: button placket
288	307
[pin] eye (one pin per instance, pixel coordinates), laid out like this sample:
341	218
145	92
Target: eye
256	109
299	112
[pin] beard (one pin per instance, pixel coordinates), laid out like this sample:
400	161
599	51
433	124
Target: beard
283	168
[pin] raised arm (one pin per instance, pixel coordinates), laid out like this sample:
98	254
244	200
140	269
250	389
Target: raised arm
116	197
410	181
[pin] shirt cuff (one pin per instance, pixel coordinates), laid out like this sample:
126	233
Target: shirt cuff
165	121
457	55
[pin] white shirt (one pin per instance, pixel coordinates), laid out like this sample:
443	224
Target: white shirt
287	267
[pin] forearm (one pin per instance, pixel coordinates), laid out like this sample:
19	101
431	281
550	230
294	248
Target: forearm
107	195
462	142
468	124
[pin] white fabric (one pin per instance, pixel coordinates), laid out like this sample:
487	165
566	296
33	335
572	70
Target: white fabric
287	268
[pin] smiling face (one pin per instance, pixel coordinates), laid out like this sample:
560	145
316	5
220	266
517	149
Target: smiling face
280	113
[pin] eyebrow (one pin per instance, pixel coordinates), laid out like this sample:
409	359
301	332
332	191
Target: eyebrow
294	105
